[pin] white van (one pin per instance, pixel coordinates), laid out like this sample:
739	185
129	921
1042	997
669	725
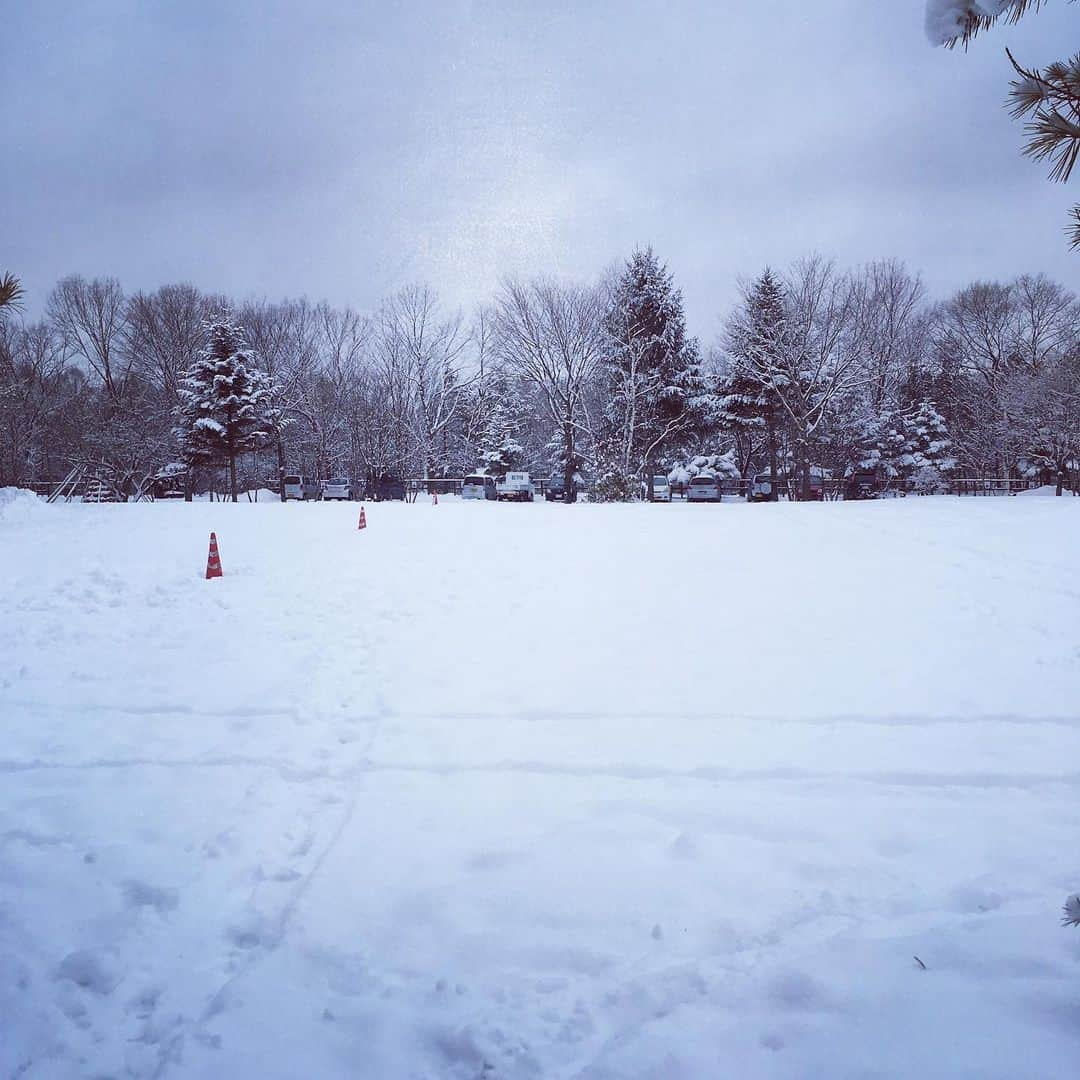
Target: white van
478	486
661	489
301	488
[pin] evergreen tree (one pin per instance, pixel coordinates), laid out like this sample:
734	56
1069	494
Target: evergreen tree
905	446
747	402
652	373
570	469
613	482
883	445
498	447
928	437
224	401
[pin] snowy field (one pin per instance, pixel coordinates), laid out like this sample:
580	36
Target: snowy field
495	792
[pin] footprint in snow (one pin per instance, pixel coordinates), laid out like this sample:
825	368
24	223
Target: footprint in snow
684	846
89	971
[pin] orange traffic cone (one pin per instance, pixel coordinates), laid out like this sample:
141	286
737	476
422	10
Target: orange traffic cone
363	519
213	560
434	498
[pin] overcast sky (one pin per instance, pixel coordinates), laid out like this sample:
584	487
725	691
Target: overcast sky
340	150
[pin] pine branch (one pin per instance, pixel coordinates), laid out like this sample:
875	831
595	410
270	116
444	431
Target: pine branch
975	18
1073	231
1052	99
11	292
1071	912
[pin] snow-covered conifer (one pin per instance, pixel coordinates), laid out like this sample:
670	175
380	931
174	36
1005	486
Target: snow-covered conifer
654	386
223	401
748	403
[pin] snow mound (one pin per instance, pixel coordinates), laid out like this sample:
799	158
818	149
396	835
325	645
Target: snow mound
18	503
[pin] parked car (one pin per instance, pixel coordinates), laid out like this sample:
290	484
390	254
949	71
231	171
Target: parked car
339	488
478	486
515	487
301	488
817	486
761	488
862	485
555	490
661	489
704	489
385	488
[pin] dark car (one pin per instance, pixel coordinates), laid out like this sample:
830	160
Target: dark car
384	488
556	489
862	485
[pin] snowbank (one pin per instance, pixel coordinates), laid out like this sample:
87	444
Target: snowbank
18	503
1046	489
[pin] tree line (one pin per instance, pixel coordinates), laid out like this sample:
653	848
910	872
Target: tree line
816	370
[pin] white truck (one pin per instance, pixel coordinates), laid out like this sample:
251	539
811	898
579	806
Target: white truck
515	487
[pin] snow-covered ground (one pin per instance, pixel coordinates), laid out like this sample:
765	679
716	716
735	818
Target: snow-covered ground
492	791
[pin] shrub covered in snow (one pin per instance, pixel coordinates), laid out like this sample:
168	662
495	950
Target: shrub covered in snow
721	466
928	481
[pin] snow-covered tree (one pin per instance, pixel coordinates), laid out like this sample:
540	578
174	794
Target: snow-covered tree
498	445
651	375
722	466
757	336
928	439
815	362
1046	407
882	445
895	445
223	401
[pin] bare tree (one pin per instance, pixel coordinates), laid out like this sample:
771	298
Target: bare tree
283	338
92	319
1046	408
993	341
420	356
552	335
35	391
890	316
165	330
324	393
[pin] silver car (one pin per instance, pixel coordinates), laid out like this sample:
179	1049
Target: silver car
704	489
340	488
661	489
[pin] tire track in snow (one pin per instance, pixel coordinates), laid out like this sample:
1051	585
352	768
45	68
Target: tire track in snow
820	720
709	774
